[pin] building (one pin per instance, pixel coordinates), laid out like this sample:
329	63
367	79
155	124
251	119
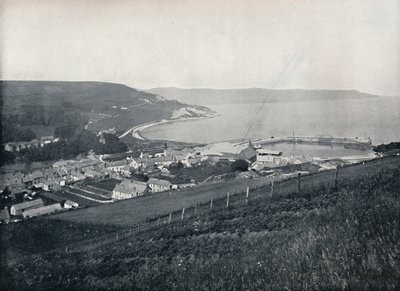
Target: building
54	184
33	212
78	176
230	150
4	216
158	185
47	139
37	177
22	145
267	156
18	209
93	174
128	189
68	204
117	166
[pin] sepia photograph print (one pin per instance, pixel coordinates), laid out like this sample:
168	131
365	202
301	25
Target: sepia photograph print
199	145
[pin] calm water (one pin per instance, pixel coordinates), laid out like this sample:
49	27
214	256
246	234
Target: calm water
377	118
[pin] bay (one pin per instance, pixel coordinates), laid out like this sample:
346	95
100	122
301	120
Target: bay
377	118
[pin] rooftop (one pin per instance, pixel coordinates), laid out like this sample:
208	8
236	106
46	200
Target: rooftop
130	186
24	205
159	182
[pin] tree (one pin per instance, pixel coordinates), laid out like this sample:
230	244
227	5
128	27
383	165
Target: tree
240	165
65	131
176	166
112	145
6	157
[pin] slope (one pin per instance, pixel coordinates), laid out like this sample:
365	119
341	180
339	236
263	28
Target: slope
252	95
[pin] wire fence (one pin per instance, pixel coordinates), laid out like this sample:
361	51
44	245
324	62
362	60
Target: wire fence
270	190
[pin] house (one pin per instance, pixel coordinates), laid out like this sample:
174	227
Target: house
27	179
186	185
12	179
161	161
16	191
49	173
54	184
48	185
35	143
68	204
76	176
158	185
4	216
17	146
17	209
126	171
229	150
248	154
69	168
299	160
63	163
47	139
92	174
128	189
117	166
33	212
61	173
10	147
37	176
133	164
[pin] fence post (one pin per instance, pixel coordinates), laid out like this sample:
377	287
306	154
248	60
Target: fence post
298	182
227	200
336	176
183	213
138	227
66	249
211	203
247	195
272	188
169	218
195	209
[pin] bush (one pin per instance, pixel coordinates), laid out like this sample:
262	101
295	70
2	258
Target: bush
240	165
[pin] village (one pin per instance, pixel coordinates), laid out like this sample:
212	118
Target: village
98	179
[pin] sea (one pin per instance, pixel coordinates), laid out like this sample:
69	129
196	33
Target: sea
375	118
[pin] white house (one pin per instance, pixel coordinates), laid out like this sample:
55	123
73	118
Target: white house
18	209
68	204
158	185
128	189
33	212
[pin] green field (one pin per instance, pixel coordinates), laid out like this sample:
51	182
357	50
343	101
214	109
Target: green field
323	238
107	184
133	211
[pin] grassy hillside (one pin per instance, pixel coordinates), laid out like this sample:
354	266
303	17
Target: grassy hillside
41	106
338	239
252	95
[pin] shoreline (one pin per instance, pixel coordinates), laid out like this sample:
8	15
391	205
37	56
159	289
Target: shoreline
135	131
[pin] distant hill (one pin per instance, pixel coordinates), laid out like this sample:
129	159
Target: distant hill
84	94
252	95
41	106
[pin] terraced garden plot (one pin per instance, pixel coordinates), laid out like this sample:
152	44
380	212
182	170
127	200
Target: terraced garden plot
85	194
107	184
96	191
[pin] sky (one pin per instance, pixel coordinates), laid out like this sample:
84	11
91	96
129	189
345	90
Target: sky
309	44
